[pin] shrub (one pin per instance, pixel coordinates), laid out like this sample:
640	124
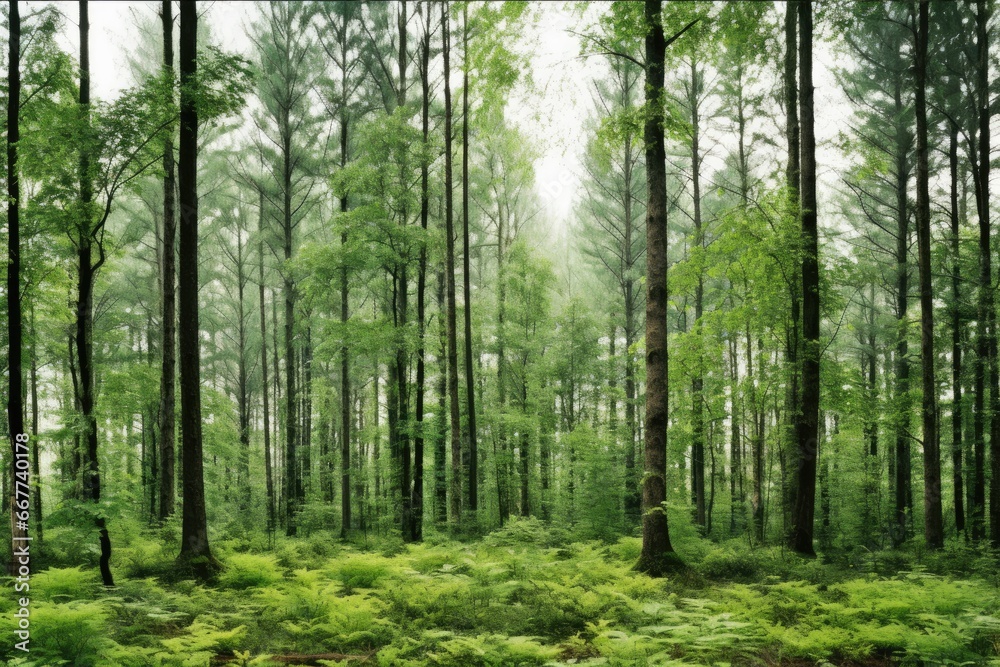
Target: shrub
67	583
360	572
249	571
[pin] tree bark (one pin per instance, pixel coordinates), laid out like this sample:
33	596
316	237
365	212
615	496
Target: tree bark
455	501
268	472
956	332
169	322
657	557
793	337
195	550
417	498
15	409
933	522
807	424
697	382
472	472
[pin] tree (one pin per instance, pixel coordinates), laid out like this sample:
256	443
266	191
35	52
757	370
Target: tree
195	551
657	557
168	323
455	501
286	71
933	524
341	48
613	226
807	424
15	409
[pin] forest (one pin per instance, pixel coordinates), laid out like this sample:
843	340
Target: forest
491	333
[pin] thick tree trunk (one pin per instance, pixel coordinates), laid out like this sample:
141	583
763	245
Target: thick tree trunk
657	557
195	550
807	425
168	324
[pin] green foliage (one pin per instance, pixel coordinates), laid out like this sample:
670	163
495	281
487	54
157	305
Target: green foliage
249	571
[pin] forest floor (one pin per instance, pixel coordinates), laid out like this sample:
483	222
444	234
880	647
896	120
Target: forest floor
525	595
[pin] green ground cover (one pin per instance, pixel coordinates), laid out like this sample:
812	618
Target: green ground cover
522	596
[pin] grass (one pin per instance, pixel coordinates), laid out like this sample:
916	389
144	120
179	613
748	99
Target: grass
515	598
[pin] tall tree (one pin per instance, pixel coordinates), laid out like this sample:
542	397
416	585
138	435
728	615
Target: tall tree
417	500
286	74
470	383
341	48
807	425
168	323
657	557
455	501
195	551
15	376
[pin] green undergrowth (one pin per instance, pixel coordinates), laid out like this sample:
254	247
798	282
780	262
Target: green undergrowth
522	596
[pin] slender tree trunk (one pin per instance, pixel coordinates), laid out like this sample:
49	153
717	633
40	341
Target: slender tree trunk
956	333
441	419
417	499
243	377
268	472
985	339
169	322
456	425
36	468
472	472
697	382
793	337
345	366
808	423
85	310
15	409
901	456
657	556
933	523
194	529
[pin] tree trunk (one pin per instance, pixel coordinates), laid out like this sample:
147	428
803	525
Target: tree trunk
792	340
956	333
808	422
195	550
933	523
15	409
657	557
469	378
441	421
243	379
456	425
169	322
985	339
417	497
268	472
697	382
